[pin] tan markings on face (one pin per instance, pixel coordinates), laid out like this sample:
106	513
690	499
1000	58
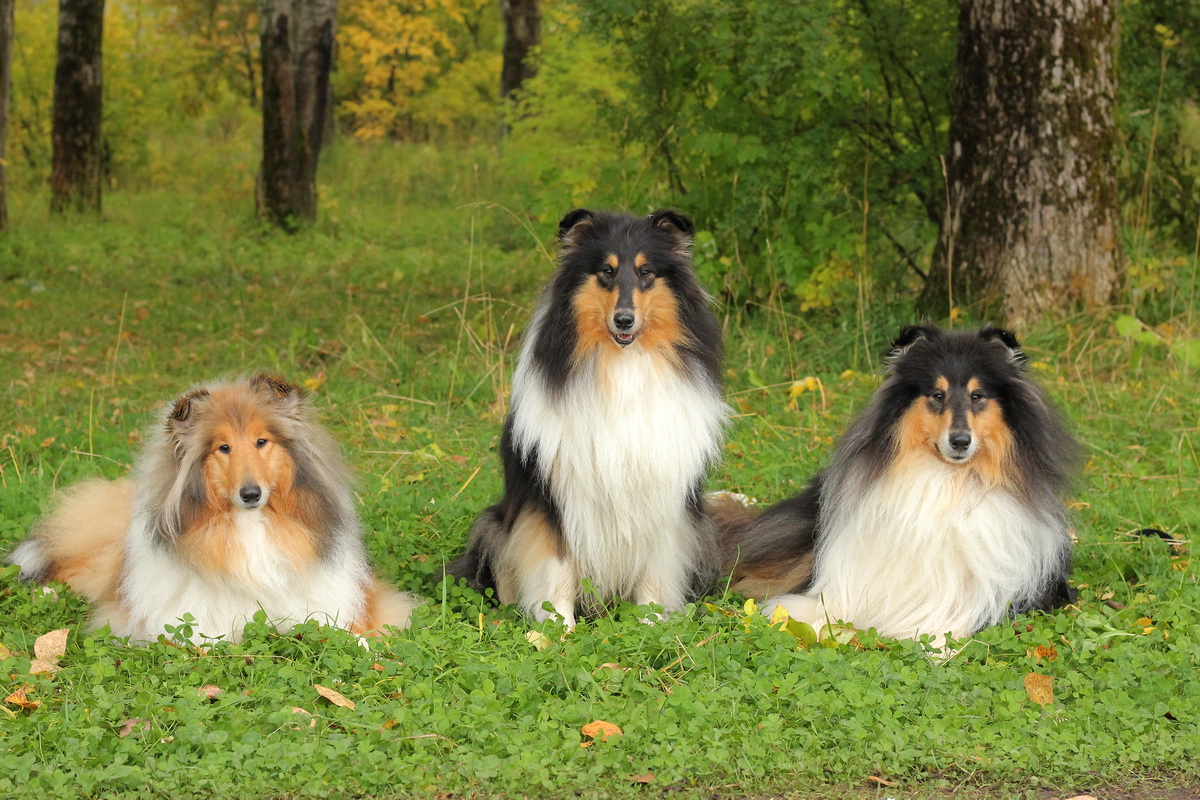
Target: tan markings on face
593	306
659	311
760	581
992	461
921	426
530	545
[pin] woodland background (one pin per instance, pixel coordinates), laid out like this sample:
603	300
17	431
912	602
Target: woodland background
806	140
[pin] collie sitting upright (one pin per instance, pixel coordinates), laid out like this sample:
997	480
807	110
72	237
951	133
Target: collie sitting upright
616	415
239	502
941	511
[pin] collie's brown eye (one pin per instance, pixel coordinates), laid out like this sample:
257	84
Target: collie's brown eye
261	443
224	448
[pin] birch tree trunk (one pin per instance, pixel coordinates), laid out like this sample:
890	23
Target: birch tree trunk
77	162
1031	218
297	59
6	40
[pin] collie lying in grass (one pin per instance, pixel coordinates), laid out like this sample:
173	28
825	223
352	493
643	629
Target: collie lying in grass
240	502
616	416
941	511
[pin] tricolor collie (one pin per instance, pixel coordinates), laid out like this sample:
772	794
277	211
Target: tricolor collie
239	502
616	416
941	511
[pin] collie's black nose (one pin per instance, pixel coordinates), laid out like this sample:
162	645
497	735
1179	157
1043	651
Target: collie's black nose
623	320
960	440
250	494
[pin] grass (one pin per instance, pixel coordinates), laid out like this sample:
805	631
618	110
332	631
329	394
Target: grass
402	309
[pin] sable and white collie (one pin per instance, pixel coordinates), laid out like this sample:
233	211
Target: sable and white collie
941	511
616	416
239	502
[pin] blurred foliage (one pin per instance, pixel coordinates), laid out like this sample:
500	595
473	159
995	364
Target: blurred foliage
804	138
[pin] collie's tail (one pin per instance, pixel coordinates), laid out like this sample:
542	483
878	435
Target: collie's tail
81	542
386	608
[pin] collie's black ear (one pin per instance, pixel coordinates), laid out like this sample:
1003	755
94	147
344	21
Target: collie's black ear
673	222
183	406
275	385
1007	339
910	336
574	223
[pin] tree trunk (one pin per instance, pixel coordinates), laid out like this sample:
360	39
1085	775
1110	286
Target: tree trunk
6	40
297	58
76	174
1031	222
522	32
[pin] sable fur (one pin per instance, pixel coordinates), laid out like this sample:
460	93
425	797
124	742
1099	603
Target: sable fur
616	415
895	533
240	501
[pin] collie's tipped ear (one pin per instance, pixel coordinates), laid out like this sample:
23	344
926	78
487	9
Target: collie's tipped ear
573	224
673	222
182	408
908	337
1007	338
275	385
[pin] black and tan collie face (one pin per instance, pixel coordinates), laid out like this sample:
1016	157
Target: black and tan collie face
957	420
623	268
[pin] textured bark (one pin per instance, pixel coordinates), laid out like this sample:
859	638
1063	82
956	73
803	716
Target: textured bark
522	33
297	58
6	40
76	174
1031	223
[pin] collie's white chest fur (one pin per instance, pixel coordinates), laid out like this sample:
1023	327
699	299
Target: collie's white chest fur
929	549
622	447
158	588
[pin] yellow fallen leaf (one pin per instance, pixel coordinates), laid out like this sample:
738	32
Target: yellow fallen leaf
337	698
21	699
51	646
539	640
1040	688
600	731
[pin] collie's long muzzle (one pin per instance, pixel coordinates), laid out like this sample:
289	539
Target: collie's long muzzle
624	324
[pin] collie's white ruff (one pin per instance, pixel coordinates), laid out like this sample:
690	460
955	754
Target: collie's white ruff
623	448
158	585
925	549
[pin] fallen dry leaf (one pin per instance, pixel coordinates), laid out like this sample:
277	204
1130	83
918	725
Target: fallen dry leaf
1040	688
131	725
51	646
209	691
21	699
337	698
599	731
37	667
312	722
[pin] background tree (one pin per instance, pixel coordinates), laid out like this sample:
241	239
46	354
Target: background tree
297	58
6	40
522	33
1031	218
78	103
